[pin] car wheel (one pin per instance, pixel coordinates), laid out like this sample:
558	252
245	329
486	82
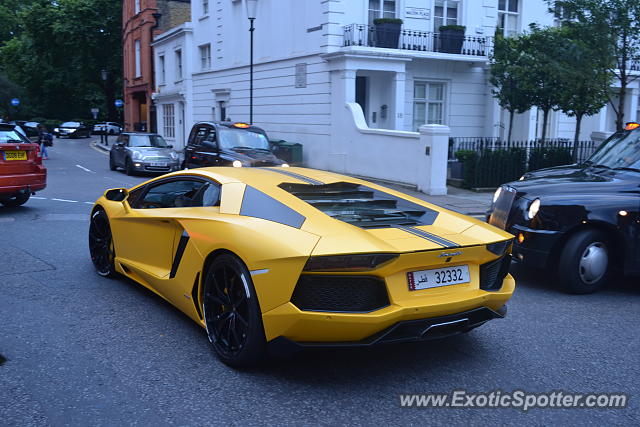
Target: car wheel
101	244
112	163
128	167
585	262
232	313
15	201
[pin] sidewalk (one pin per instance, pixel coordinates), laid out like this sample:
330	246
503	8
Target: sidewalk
459	200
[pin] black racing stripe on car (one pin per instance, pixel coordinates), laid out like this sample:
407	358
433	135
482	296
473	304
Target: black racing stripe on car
295	175
259	205
429	236
184	239
195	295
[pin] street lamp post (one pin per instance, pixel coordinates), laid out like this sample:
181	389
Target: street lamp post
251	14
103	135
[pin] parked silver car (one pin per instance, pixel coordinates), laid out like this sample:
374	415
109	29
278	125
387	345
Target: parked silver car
143	152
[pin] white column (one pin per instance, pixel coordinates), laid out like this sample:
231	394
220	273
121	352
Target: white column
632	105
399	81
433	148
348	78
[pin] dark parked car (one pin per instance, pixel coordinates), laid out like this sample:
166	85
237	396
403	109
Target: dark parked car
581	221
228	144
72	130
143	152
21	169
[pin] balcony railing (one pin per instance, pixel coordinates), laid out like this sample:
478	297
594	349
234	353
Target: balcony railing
420	41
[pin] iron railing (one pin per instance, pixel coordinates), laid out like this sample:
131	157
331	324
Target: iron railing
489	162
420	41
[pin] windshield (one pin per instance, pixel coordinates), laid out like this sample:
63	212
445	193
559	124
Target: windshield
147	141
12	137
236	138
70	125
622	150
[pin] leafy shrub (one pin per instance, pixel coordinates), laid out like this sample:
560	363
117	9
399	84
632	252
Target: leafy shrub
490	168
546	157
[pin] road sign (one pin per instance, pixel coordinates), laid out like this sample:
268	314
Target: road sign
119	103
15	102
95	112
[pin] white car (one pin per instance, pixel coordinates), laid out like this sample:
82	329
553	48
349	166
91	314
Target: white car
112	128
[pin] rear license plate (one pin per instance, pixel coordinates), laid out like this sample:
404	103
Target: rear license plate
158	164
434	278
15	155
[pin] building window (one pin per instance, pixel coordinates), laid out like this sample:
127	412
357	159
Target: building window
178	64
381	9
428	103
163	73
205	57
136	7
168	118
508	13
138	71
205	7
445	12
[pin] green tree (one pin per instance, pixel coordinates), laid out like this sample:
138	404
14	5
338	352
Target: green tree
613	29
505	76
585	79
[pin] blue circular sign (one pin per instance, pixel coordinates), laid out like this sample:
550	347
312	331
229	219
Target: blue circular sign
15	102
119	103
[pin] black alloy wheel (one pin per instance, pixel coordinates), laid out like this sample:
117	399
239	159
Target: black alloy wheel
128	167
232	313
112	163
101	244
17	200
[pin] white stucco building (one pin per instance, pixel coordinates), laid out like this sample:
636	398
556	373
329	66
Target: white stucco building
321	78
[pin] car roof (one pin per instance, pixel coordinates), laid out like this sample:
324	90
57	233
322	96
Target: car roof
230	125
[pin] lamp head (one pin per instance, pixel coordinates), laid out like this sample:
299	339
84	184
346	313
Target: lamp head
252	6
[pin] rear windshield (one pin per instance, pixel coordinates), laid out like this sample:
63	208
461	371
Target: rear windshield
12	137
70	125
362	206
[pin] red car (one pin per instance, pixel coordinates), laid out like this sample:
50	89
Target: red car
21	169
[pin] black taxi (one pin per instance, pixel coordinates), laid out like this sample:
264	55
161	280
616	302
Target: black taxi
580	221
228	144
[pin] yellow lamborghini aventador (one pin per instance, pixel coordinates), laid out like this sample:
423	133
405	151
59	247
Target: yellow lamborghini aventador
285	258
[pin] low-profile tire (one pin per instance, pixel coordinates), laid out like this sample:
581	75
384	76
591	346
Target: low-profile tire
17	200
128	167
112	163
101	247
585	264
232	313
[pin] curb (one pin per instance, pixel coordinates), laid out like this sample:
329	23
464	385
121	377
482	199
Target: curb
100	146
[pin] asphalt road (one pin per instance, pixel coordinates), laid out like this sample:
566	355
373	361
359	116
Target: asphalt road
84	350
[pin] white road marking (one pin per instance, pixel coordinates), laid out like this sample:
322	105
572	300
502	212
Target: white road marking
85	169
65	200
9	219
38	198
89	203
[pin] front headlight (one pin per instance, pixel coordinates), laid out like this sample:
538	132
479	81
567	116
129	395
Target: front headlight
237	164
56	130
534	208
136	155
284	165
174	156
72	130
521	178
497	194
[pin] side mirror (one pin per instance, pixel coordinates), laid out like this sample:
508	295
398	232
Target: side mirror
169	146
116	194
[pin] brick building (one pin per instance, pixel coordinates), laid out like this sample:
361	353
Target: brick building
141	20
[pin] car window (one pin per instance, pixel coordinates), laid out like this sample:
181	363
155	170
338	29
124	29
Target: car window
70	125
147	141
179	193
201	134
237	138
12	137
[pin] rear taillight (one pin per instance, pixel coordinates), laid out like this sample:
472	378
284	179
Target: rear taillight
38	158
355	262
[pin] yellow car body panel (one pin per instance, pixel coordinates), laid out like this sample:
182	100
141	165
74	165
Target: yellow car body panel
146	240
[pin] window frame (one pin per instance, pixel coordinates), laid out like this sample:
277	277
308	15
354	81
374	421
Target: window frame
137	60
426	101
504	14
144	190
381	12
136	7
178	61
169	120
205	8
163	69
205	48
445	8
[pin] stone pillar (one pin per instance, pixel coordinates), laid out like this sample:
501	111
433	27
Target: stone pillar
400	93
434	149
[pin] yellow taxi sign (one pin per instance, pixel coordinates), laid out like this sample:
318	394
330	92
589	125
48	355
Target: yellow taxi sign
631	126
241	125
